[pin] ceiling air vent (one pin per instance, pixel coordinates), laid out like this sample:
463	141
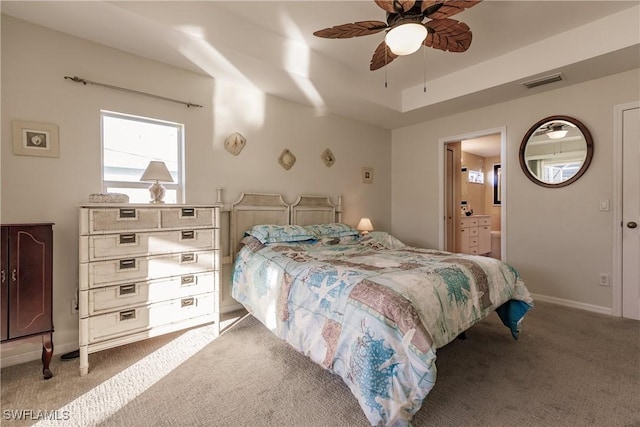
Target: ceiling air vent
530	84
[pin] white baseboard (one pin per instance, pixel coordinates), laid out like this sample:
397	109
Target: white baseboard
58	350
573	304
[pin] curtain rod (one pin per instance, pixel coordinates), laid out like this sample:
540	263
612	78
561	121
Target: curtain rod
89	82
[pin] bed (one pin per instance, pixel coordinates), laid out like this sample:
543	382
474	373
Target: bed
368	308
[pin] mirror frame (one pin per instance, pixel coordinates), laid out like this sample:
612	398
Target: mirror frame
585	165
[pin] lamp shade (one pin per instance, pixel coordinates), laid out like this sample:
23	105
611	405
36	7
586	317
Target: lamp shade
406	38
156	171
365	225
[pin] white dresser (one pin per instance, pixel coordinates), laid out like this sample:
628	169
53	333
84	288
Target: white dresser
474	236
146	270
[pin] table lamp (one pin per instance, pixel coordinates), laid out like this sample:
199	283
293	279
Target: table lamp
156	172
365	226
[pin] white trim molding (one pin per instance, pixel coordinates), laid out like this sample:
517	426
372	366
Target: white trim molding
573	304
442	142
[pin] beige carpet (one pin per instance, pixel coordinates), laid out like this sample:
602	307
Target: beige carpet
569	368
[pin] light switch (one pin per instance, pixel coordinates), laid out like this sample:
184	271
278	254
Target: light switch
604	205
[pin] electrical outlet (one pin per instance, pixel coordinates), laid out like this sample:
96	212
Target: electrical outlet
603	280
74	306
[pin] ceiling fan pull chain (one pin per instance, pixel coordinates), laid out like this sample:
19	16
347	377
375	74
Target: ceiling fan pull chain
424	57
385	67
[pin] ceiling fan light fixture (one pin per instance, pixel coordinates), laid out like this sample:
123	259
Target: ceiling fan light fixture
405	39
557	132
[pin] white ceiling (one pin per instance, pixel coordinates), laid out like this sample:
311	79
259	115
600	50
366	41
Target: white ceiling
270	45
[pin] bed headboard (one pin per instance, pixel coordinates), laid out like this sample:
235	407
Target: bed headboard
309	210
257	208
254	209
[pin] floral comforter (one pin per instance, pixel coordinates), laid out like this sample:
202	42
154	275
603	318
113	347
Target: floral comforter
374	310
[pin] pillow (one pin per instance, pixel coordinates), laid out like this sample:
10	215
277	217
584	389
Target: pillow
335	229
280	233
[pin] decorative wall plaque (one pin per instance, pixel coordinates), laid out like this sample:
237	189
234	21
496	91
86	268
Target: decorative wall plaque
235	143
286	159
367	175
328	158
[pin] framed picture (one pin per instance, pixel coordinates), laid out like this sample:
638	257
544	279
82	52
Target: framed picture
367	175
497	184
35	139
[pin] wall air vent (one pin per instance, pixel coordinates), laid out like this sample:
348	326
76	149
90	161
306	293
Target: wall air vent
530	84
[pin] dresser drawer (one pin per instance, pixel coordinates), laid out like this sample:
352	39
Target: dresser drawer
473	232
124	322
104	246
106	220
187	217
102	273
468	222
118	297
484	221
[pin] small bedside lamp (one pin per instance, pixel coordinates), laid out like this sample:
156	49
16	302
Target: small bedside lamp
365	226
158	172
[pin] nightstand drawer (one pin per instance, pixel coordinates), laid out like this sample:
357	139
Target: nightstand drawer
118	297
124	322
187	217
102	273
105	246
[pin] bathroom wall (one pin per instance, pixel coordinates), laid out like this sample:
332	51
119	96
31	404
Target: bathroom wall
474	192
489	207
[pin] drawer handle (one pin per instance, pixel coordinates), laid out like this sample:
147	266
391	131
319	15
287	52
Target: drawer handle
127	238
188	212
187	280
188	234
187	302
127	263
190	257
127	213
128	289
127	315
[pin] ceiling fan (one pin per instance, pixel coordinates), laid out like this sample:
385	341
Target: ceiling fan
554	130
407	16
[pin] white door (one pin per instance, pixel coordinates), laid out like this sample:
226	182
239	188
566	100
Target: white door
631	213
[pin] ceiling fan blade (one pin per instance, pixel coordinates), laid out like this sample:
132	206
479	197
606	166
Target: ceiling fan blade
381	57
448	35
448	7
396	6
356	29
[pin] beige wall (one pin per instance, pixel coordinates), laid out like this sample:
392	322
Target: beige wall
34	63
557	238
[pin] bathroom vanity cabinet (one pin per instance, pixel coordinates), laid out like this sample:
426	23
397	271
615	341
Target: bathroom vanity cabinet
474	236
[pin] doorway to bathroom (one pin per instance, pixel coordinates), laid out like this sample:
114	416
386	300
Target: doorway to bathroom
473	193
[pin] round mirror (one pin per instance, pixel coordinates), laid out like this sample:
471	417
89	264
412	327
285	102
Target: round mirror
556	151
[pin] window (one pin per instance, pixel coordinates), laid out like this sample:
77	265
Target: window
129	143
